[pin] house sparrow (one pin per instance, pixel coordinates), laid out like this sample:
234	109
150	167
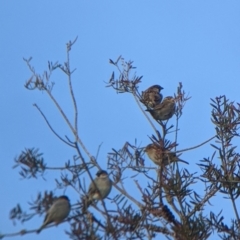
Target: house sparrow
152	96
57	212
163	110
159	157
102	184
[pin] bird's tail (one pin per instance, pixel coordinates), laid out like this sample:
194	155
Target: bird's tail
86	203
39	230
42	227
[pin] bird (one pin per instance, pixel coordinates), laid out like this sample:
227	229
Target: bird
161	158
152	96
163	110
98	189
57	212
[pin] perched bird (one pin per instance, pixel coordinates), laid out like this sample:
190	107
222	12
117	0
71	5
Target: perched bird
98	189
57	212
163	110
159	157
152	96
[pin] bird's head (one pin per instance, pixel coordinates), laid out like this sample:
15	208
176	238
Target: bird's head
102	174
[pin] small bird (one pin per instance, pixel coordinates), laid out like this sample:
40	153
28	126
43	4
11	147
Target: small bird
152	96
159	157
98	189
163	110
57	212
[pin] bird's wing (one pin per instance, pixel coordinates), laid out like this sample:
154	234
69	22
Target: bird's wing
92	189
46	217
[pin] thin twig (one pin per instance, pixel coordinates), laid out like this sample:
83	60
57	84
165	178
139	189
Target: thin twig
144	113
98	150
124	192
204	200
64	168
199	145
191	148
69	73
35	105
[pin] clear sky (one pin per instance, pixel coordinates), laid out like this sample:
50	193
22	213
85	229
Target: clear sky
193	42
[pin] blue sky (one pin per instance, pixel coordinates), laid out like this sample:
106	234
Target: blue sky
193	42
